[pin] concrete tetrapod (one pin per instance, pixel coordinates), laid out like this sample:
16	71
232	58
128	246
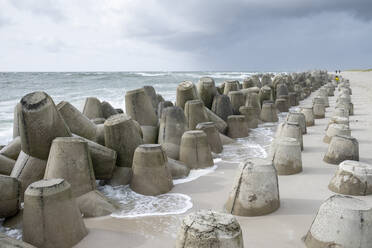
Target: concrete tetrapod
12	149
341	112
162	106
195	113
299	118
172	126
151	93
222	106
336	129
252	100
250	116
6	165
150	134
265	94
206	90
268	113
205	229
93	108
122	135
27	170
103	159
287	156
39	124
9	196
237	126
237	100
342	148
195	151
309	116
220	124
230	85
214	139
177	169
70	159
342	221
77	122
352	178
151	175
108	110
186	91
319	108
292	130
281	105
50	216
255	190
15	121
338	120
120	176
138	106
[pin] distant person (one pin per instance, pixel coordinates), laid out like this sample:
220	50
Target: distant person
336	71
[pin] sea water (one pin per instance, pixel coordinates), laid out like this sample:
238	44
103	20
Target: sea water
111	87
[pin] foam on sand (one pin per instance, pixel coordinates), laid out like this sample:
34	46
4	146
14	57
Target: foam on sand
137	205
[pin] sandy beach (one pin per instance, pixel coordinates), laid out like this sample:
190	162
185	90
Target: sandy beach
300	194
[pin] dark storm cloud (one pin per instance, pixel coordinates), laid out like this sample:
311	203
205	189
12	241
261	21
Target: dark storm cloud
229	34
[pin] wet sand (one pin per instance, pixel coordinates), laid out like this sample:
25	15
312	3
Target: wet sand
300	194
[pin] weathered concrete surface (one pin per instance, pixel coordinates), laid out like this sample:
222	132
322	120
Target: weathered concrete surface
6	165
186	91
237	126
268	113
352	178
287	158
213	136
195	113
39	124
195	151
51	217
206	90
177	169
336	129
342	148
255	190
122	135
27	170
309	116
12	149
138	106
9	196
93	108
173	124
206	229
150	171
341	221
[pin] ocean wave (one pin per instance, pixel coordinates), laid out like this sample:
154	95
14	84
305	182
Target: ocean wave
195	174
134	205
152	74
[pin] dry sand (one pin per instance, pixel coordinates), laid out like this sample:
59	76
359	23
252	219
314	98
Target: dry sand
301	194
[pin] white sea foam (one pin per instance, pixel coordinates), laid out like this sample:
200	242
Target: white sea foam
11	232
195	174
137	205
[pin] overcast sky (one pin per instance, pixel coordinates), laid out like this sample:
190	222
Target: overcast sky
125	35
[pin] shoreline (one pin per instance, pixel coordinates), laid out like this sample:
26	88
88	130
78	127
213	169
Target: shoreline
301	194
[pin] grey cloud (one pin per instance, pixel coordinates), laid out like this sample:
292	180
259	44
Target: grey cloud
47	8
231	34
